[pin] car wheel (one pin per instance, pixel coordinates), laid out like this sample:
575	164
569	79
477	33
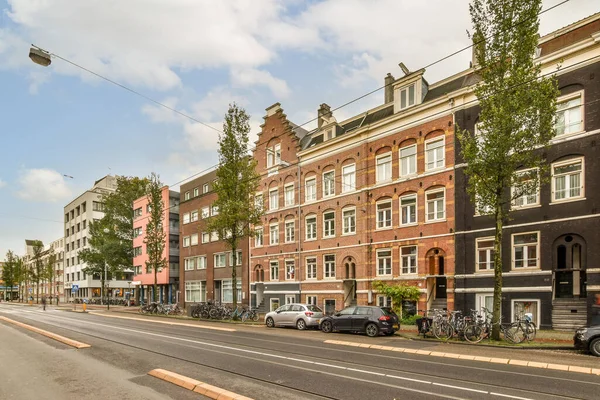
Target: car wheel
595	347
270	323
301	324
372	330
326	327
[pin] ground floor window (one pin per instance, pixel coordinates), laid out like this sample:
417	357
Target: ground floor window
195	291
329	307
409	308
522	307
274	304
311	300
227	290
290	298
383	301
484	300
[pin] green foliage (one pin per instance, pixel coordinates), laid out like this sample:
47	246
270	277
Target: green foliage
9	271
36	272
236	185
398	293
517	114
155	233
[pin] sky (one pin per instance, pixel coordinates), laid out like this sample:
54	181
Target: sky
62	128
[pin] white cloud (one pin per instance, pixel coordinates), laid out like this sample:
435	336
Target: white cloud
255	77
2	184
43	185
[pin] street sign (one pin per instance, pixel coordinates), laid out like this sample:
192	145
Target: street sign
74	288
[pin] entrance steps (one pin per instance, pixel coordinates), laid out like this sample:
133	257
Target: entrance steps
569	314
439	304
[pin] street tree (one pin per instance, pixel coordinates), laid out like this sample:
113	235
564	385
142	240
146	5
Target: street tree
399	293
36	270
236	184
9	273
155	232
20	272
50	271
516	118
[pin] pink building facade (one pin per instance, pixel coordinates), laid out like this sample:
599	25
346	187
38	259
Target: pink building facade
168	277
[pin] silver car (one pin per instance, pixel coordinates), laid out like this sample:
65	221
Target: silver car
299	315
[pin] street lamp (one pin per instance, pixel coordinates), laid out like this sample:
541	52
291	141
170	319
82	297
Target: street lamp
40	57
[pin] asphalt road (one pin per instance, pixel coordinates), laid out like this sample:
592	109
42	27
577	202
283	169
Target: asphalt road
259	363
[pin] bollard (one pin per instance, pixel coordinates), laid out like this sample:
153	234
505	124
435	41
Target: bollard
84	307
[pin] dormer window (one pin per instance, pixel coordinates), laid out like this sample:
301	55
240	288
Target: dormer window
329	135
407	96
274	155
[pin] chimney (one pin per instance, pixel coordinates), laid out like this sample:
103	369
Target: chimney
323	114
389	89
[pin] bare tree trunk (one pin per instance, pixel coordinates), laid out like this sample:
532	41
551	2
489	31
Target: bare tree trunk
497	312
234	276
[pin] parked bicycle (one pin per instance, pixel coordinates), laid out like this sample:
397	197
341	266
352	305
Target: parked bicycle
482	328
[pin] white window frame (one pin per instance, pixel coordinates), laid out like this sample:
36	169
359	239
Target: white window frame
217	258
328	269
259	237
205	188
194	239
312	300
290	269
489	252
436	212
201	262
214	236
565	99
328	225
310	189
205	212
290	298
274	155
274	303
415	206
524	200
273	266
186	241
409	257
189	263
405	91
537	315
259	201
238	258
274	234
384	263
568	187
526	258
431	156
196	192
290	234
349	222
311	234
349	178
205	237
383	171
383	222
214	210
186	196
194	216
410	161
384	301
186	218
273	199
195	286
311	267
289	195
329	183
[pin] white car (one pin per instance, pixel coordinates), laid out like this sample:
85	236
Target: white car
299	315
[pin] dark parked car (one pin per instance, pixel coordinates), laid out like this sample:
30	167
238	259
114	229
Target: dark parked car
588	339
368	319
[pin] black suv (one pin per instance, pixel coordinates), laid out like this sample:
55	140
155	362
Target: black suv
588	339
368	319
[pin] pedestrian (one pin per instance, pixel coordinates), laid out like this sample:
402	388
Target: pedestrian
44	302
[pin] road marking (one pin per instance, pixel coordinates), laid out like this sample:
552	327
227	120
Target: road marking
512	397
214	328
194	385
531	364
59	338
461	388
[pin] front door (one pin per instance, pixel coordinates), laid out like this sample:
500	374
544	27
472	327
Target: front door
440	287
564	284
217	296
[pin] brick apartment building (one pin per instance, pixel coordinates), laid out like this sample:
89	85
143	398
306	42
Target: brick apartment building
205	261
167	278
550	252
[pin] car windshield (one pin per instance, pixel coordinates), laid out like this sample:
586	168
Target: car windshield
313	308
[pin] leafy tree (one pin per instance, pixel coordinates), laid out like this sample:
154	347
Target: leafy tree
516	118
398	293
20	273
9	273
155	232
237	182
49	270
36	270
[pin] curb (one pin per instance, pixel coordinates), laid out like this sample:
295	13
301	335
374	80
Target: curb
196	386
59	338
508	361
214	328
493	346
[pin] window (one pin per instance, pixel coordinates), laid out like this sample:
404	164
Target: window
96	206
214	210
274	304
290	227
205	237
227	290
288	194
186	218
311	268
434	154
408	209
220	260
258	201
408	160
485	253
195	291
329	306
214	236
567	180
435	205
384	262
311	189
384	214
349	178
186	241
258	237
273	155
569	115
290	270
137	251
329	183
194	216
273	199
349	221
311	227
481	208
274	270
194	239
189	264
384	168
67	246
522	307
186	196
196	192
407	96
84	223
238	259
201	263
525	250
529	194
329	270
383	301
205	212
311	300
329	224
409	259
205	188
274	234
